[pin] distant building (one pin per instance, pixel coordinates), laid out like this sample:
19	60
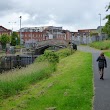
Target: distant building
32	35
54	32
87	32
3	30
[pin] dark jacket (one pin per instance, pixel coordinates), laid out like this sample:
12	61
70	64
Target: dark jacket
102	62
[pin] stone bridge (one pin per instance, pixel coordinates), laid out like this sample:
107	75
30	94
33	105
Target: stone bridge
42	45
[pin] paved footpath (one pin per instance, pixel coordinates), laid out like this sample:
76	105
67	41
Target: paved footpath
101	87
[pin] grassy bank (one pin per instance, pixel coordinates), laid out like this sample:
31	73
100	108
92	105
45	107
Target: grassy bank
69	88
102	45
13	82
107	53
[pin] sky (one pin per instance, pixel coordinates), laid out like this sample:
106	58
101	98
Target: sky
69	14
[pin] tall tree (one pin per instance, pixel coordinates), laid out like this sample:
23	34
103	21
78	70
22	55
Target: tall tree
14	39
106	28
4	40
108	7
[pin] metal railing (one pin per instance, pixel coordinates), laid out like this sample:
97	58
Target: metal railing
11	62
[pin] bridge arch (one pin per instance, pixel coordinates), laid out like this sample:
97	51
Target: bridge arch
42	45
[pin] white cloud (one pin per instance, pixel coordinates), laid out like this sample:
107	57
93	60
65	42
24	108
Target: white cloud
71	14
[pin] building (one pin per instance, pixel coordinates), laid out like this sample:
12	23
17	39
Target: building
31	35
87	32
54	32
3	30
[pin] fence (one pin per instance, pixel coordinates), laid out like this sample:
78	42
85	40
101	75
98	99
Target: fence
87	39
11	62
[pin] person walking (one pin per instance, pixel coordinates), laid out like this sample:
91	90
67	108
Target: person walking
102	63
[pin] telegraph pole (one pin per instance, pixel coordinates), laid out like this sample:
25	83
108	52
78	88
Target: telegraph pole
20	30
12	25
100	23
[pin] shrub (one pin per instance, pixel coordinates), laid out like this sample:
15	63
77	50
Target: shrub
64	52
41	58
51	56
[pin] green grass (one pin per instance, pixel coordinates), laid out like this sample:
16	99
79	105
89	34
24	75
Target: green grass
107	53
13	82
102	45
69	88
2	53
19	46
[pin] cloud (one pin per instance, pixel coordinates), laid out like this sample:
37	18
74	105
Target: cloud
67	13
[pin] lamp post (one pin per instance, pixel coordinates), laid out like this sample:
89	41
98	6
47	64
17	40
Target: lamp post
16	40
100	23
20	30
12	25
71	45
31	37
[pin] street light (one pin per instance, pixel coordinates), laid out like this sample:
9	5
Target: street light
31	30
100	23
20	30
12	25
70	42
16	40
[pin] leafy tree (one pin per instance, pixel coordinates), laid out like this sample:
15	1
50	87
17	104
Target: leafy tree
108	7
106	28
4	40
14	39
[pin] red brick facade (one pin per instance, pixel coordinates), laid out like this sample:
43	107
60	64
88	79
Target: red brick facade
37	36
33	37
4	31
86	31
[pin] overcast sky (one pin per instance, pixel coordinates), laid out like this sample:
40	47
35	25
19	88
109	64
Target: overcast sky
70	14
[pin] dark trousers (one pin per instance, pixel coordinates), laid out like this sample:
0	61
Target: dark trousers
101	70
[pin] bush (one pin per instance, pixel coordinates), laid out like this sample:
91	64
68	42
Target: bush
41	58
51	56
64	52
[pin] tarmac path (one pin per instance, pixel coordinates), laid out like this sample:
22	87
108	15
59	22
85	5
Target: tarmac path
101	87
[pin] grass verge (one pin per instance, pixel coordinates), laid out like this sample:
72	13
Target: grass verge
69	88
13	82
107	53
102	45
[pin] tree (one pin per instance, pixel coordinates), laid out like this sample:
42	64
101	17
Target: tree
4	40
15	39
106	28
108	7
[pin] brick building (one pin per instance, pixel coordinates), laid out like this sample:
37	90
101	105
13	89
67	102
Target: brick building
31	35
87	32
3	30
